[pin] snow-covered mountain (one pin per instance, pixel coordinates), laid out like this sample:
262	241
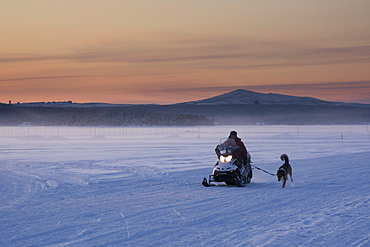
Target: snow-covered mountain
242	96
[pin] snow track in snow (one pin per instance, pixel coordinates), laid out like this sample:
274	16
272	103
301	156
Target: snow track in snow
15	189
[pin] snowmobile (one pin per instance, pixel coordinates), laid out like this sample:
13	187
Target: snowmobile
229	169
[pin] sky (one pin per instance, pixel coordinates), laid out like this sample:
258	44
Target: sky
167	51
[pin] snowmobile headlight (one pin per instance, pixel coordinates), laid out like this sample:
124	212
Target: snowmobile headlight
226	159
229	158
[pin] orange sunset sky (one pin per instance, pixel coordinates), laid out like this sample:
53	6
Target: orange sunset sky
170	51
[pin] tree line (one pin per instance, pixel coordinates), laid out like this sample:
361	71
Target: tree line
182	115
95	116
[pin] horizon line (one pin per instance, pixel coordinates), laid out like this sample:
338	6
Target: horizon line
191	101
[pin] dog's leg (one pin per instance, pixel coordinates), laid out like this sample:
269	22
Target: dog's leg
291	176
284	182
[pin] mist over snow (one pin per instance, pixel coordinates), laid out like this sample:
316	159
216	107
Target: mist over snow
141	186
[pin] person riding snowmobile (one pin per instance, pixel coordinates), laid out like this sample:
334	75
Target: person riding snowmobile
240	153
244	152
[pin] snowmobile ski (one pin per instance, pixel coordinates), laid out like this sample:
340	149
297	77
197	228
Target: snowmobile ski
206	184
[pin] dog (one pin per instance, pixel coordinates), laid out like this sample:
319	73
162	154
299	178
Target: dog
284	170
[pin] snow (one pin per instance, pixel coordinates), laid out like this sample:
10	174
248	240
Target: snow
141	186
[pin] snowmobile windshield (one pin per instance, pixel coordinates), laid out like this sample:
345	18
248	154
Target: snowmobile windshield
227	146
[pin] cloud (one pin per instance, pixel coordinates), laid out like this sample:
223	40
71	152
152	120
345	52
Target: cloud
41	78
216	53
21	58
230	55
351	85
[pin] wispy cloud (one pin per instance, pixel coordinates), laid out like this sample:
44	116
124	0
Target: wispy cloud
21	58
335	86
218	53
41	78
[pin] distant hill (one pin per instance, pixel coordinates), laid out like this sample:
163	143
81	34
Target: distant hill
247	97
237	97
239	107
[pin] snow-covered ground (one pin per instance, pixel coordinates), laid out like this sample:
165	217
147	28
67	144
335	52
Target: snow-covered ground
132	186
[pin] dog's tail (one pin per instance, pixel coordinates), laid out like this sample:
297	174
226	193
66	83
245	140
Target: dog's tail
285	158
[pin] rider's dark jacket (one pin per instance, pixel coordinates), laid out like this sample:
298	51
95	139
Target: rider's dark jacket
242	146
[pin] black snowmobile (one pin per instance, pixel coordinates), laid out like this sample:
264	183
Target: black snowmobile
229	169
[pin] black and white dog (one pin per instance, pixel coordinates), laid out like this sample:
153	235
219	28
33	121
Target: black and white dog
284	170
